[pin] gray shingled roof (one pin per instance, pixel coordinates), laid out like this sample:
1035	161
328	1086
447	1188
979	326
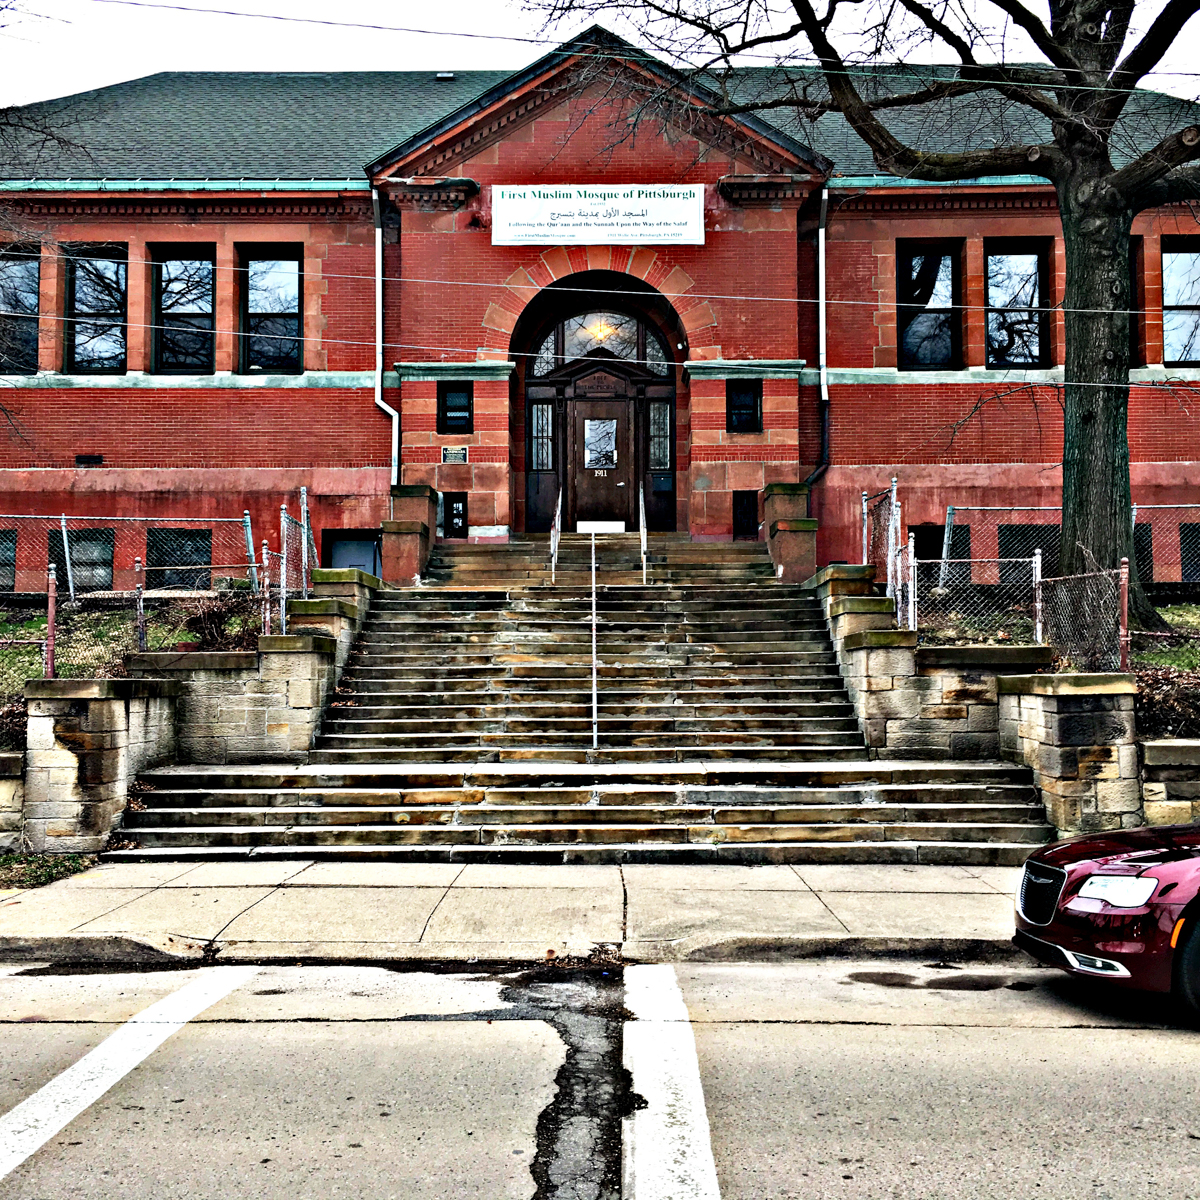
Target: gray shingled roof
312	125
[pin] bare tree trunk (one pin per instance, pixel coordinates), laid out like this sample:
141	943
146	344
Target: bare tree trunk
1096	528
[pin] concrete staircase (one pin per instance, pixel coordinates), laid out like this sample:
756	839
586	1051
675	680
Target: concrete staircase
462	730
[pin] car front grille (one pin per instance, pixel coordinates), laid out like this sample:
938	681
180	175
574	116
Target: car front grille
1041	887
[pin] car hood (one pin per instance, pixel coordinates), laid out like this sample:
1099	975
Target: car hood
1127	847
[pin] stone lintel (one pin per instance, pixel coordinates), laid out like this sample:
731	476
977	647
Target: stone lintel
744	368
350	575
1172	752
100	689
480	369
295	644
880	639
1106	684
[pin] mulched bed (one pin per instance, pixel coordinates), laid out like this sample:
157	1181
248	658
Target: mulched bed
1168	702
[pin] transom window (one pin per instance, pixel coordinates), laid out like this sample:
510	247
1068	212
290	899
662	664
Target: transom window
1181	303
1016	304
618	334
927	293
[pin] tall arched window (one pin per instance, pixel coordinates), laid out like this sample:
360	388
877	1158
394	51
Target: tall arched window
617	334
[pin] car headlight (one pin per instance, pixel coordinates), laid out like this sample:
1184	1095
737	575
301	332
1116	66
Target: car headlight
1121	891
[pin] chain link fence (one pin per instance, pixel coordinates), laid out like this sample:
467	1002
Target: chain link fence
1166	543
1087	619
881	538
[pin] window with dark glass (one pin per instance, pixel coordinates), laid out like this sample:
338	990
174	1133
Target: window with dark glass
271	331
619	334
96	279
928	288
8	560
660	435
1016	304
20	277
91	566
183	316
179	558
743	405
541	437
456	407
1181	302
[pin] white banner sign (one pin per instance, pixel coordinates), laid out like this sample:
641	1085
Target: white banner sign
598	214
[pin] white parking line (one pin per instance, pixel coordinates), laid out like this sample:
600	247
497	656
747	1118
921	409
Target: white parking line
666	1147
26	1128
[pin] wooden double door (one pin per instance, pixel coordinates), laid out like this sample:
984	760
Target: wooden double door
600	433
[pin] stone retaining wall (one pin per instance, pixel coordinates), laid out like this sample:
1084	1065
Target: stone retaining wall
1077	734
12	800
1171	781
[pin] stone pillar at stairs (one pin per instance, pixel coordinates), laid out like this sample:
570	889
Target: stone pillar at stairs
791	533
408	537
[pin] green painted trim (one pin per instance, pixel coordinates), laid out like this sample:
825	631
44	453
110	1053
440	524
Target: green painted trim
364	380
430	372
746	368
891	377
839	183
185	185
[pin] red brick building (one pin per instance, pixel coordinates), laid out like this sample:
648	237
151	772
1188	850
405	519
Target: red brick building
214	303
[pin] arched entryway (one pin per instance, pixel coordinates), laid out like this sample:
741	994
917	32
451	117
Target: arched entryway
597	363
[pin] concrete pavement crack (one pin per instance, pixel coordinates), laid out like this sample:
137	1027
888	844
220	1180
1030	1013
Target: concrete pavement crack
449	886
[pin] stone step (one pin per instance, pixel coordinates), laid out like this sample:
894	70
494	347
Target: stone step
342	722
576	733
537	752
423	708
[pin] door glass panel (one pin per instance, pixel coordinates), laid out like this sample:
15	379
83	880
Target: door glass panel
541	437
660	436
599	444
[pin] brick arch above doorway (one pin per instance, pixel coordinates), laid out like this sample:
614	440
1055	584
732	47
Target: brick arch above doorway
654	267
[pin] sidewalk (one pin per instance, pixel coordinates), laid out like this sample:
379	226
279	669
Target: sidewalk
296	910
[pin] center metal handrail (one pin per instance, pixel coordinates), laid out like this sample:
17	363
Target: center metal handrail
642	526
555	535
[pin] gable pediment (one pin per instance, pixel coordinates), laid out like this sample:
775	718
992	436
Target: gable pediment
441	151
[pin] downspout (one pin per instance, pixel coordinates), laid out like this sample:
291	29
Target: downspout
379	401
822	338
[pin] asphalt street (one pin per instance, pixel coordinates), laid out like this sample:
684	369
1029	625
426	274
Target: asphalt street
829	1078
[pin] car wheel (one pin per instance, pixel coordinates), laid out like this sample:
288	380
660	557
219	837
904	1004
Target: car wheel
1187	969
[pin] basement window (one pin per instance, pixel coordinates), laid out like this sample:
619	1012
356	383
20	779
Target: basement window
183	316
271	289
1017	286
928	299
743	405
91	559
96	280
20	278
1181	303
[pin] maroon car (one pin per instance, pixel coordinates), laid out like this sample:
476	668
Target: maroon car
1123	906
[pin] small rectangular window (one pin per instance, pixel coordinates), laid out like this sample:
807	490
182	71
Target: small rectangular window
1181	302
96	279
1143	550
8	560
271	291
743	405
183	313
928	291
20	279
541	437
454	514
179	558
660	435
1189	551
91	559
1016	304
1020	541
456	407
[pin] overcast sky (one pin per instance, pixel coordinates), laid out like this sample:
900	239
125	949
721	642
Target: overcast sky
66	46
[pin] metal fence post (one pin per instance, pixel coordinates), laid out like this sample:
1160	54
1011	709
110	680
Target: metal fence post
912	581
67	558
253	569
266	589
141	606
283	567
1037	595
51	616
865	543
304	540
1124	628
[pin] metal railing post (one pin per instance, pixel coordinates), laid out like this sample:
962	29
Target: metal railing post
283	567
51	617
595	691
912	581
141	606
865	543
67	558
642	525
265	591
555	536
1037	595
1124	627
250	558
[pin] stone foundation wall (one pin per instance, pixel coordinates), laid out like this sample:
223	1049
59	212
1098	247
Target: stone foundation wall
1077	734
87	740
12	801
